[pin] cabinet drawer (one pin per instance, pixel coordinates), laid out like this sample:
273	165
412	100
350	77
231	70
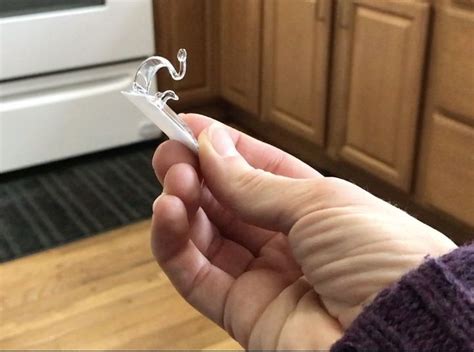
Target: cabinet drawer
58	116
448	176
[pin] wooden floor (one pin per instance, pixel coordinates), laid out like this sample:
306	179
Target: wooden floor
104	292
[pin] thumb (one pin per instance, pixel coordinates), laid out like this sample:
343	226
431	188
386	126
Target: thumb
256	196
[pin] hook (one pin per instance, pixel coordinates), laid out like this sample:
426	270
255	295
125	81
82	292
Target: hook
154	105
149	68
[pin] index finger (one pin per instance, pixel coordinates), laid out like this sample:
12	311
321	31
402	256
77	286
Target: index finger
257	153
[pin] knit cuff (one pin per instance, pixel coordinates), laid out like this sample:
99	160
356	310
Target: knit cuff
429	309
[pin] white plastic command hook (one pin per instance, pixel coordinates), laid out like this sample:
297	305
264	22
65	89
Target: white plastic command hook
154	106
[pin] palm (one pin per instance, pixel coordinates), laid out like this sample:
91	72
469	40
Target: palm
241	276
354	245
266	286
249	279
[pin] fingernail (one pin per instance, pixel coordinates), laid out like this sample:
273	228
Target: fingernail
221	140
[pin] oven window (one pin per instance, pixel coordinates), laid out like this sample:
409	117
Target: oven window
10	8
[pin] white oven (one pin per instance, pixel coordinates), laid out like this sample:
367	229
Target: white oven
63	64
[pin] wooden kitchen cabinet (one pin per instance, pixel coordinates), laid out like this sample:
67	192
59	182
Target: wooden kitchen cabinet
446	163
189	24
344	96
295	65
379	49
240	51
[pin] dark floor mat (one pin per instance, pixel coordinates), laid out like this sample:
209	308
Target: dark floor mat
47	206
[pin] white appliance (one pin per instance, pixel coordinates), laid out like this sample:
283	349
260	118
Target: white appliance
63	64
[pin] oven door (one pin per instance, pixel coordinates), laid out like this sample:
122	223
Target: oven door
57	116
43	36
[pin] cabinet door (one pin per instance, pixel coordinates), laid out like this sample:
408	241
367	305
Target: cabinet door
188	24
446	163
240	39
295	62
377	73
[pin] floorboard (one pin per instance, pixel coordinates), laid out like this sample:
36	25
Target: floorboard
103	292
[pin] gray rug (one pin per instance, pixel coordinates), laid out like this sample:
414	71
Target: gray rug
47	206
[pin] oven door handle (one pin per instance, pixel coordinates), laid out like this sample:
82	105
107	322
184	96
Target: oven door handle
64	92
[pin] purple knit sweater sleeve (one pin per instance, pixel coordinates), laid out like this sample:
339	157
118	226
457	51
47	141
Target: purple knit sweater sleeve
429	309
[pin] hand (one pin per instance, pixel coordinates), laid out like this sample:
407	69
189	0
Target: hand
275	253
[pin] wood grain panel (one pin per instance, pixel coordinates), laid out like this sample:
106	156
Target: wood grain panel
189	24
384	49
104	292
296	52
446	164
240	43
376	89
454	74
449	168
190	20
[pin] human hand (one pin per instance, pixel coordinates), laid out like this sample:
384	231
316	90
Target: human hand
237	247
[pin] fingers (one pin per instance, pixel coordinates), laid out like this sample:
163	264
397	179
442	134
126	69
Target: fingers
188	269
251	237
169	229
223	253
258	197
189	248
258	154
173	211
182	181
179	182
169	153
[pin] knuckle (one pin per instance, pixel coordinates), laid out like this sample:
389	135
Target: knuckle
250	181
